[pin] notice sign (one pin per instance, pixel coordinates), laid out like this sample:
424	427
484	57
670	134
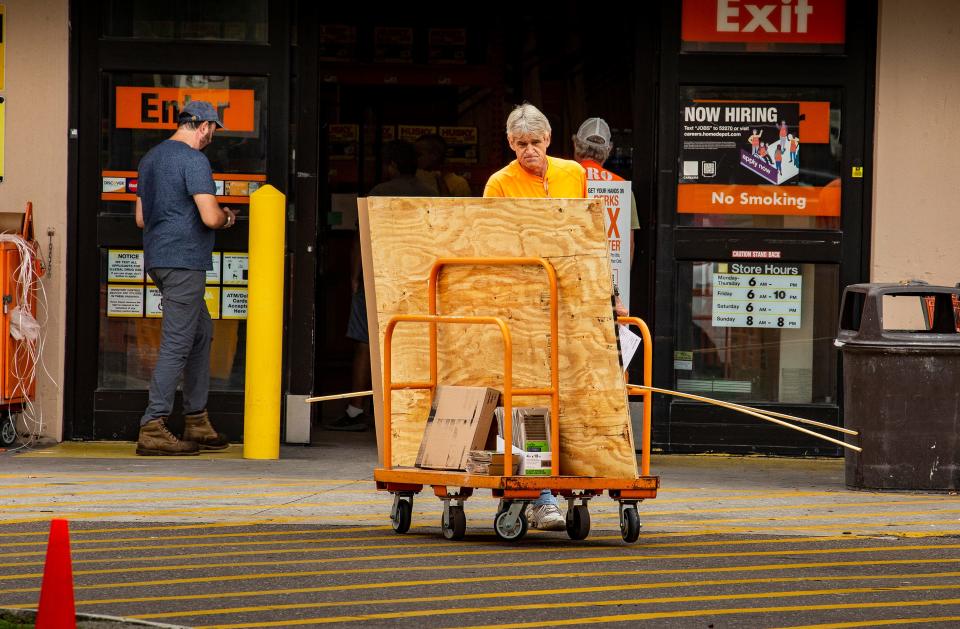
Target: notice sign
124	301
235	268
234	303
158	107
742	157
757	295
615	198
124	265
154	303
213	275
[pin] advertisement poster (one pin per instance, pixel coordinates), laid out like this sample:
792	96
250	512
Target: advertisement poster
746	157
615	197
757	295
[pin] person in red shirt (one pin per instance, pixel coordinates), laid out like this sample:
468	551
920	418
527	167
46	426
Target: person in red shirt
778	156
783	135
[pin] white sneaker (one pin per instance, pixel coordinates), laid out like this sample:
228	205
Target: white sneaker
547	518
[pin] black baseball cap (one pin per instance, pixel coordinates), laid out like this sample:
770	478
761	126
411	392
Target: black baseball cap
200	111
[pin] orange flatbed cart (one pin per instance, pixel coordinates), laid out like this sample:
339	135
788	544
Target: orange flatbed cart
515	492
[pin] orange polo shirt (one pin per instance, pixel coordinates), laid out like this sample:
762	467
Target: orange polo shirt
565	179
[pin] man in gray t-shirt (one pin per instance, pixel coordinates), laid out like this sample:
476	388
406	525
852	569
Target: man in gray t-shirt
178	211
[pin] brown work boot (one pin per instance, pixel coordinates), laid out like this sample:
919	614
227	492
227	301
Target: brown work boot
198	428
156	440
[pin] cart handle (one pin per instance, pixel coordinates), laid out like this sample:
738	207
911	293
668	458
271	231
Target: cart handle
554	390
645	393
389	386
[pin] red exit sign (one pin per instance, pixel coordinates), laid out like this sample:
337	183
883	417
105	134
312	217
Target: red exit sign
766	21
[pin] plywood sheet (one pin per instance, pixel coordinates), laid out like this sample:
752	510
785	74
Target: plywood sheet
406	235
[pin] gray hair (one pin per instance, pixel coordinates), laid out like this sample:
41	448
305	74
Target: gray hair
585	150
526	119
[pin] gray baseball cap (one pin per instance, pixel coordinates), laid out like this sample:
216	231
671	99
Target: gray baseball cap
594	131
200	111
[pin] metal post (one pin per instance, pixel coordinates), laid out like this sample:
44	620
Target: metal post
261	408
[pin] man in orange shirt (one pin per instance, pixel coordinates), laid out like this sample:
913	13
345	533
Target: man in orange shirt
534	174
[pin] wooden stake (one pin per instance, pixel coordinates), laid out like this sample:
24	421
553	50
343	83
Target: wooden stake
338	396
748	411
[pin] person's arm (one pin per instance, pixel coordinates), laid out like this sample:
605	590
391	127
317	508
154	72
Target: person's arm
212	215
139	213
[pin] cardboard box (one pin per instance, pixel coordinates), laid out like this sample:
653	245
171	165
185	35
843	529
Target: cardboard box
496	465
536	463
460	421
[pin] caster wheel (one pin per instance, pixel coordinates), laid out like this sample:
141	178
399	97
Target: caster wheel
453	524
8	432
629	524
510	526
578	522
401	519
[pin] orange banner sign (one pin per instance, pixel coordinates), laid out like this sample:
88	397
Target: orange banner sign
768	21
746	199
157	107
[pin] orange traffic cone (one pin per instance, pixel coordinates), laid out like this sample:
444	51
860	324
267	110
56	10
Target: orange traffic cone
56	609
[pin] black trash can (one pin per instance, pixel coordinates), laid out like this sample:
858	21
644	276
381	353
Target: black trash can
901	385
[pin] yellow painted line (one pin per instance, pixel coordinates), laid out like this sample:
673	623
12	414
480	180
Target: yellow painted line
222	491
490	542
495	550
879	622
74	534
684	613
503	578
189	499
453	611
517	564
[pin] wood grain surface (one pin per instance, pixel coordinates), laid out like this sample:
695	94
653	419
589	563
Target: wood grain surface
406	235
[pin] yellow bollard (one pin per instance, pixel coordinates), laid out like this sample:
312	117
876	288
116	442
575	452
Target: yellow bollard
261	407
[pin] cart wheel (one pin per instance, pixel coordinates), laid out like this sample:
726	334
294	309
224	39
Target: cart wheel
402	516
8	432
511	523
453	524
629	524
578	522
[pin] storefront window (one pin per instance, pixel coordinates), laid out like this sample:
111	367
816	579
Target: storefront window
140	112
131	312
763	157
221	20
757	331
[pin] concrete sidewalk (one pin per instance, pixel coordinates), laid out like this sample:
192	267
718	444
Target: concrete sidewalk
330	483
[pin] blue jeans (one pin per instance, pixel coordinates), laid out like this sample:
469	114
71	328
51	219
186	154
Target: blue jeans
546	498
185	338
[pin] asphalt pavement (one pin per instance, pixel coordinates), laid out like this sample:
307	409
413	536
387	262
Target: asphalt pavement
306	541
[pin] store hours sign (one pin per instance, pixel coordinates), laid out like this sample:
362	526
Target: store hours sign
757	295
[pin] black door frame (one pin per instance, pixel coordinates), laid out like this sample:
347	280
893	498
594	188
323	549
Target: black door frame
854	73
90	412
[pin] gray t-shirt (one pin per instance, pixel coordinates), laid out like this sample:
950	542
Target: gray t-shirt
174	235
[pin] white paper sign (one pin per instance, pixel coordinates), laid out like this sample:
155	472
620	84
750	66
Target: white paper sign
124	301
235	266
629	342
213	276
154	306
124	265
615	198
234	303
757	295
